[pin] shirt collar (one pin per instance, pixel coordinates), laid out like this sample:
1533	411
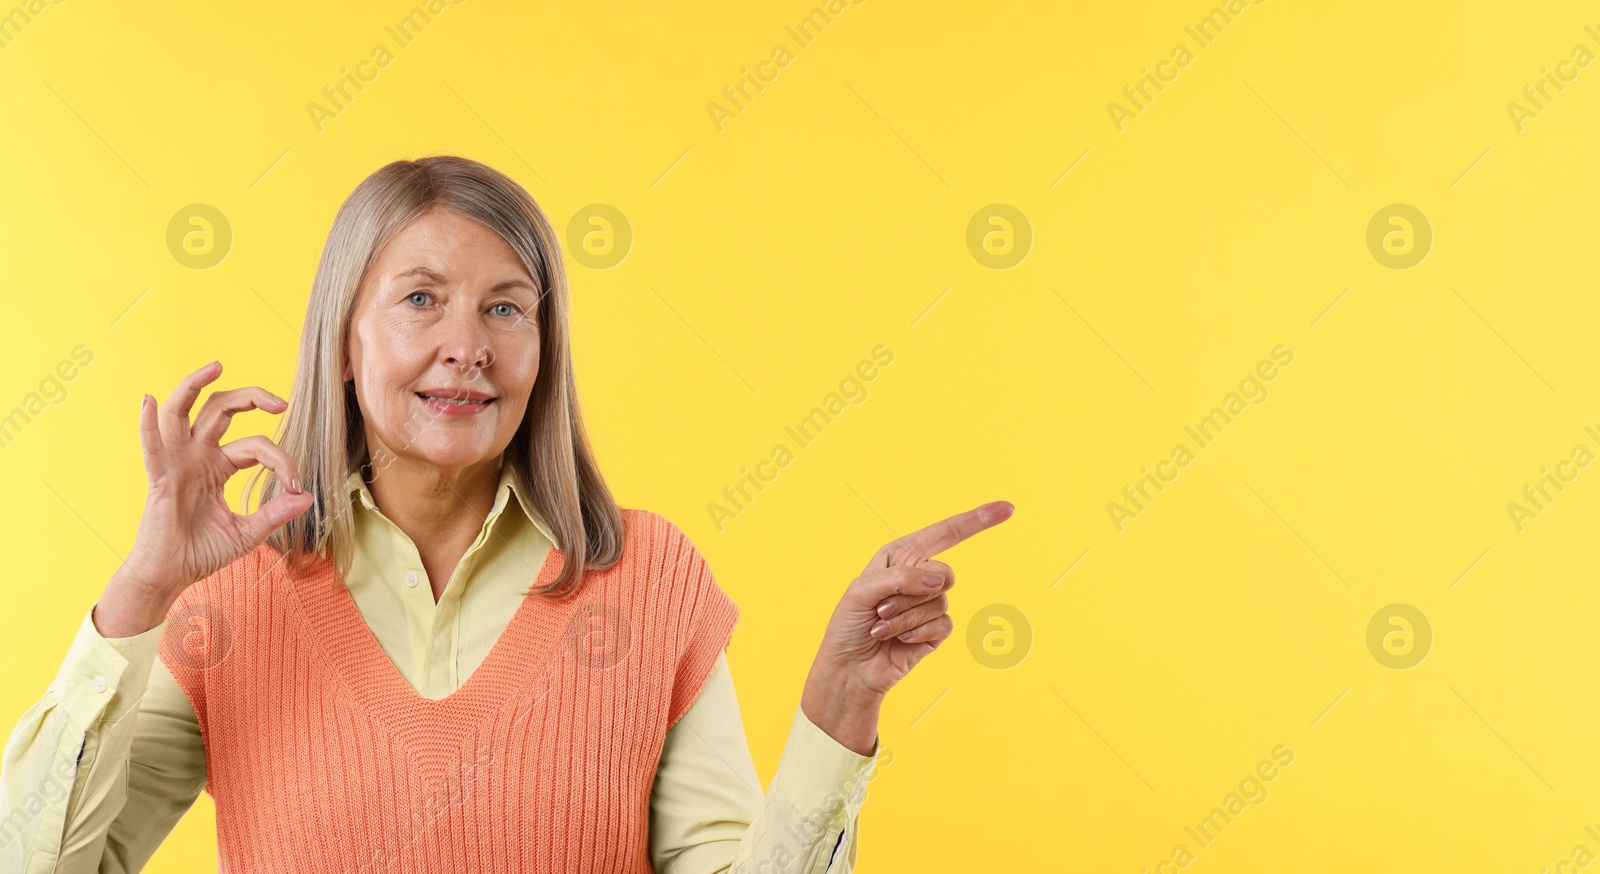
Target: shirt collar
355	485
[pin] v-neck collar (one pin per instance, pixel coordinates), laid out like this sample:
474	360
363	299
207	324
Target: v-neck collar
523	653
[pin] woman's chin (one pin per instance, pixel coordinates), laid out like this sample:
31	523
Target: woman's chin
456	456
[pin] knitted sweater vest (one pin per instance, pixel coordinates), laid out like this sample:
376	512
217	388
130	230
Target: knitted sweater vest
320	757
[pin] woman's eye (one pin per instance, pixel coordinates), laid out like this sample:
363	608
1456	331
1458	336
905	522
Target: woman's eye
418	294
504	309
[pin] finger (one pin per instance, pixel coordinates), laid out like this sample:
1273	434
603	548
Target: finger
272	515
943	570
175	415
257	449
916	617
933	632
876	585
894	605
155	459
897	604
936	538
219	409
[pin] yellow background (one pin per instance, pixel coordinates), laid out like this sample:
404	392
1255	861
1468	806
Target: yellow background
825	219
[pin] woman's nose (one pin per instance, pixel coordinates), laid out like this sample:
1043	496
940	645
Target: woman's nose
463	340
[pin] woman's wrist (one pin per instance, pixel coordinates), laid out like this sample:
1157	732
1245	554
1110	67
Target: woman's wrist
131	606
843	709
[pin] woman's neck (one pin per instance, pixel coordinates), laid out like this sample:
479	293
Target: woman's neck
441	510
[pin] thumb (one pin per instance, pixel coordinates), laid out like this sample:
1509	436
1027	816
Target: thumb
900	579
272	515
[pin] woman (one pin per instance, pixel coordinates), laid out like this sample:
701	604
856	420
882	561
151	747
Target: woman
556	697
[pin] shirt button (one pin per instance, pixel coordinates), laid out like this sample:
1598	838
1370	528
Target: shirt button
411	580
99	684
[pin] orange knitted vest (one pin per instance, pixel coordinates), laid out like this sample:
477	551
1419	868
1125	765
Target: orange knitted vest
320	757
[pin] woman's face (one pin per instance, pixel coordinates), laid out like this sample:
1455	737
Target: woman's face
447	311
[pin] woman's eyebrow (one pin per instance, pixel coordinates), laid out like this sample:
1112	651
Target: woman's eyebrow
513	283
419	270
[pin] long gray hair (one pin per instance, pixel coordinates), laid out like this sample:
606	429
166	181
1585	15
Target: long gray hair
324	432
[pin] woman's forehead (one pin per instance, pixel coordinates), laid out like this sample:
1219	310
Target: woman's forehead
444	240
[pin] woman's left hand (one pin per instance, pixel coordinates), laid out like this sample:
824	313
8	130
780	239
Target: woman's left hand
889	619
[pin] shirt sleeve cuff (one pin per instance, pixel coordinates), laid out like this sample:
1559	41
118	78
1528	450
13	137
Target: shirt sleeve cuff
103	678
821	777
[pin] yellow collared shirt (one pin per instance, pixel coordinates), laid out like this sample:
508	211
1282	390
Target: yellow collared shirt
98	772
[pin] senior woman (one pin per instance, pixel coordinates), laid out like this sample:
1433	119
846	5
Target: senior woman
438	644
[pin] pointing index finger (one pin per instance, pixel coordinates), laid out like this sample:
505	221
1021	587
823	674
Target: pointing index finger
919	546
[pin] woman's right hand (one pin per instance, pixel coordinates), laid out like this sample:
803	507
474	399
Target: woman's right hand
188	531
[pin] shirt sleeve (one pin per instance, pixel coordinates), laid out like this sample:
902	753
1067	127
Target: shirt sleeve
708	814
113	727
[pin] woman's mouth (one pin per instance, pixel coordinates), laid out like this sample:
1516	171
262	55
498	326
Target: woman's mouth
456	403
